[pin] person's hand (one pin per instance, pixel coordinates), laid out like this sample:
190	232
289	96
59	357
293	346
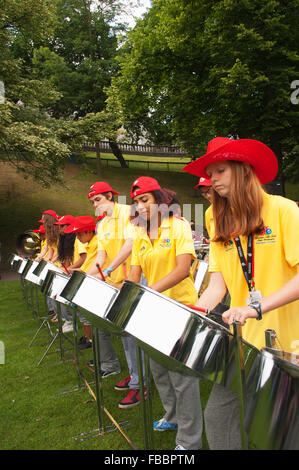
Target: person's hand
240	314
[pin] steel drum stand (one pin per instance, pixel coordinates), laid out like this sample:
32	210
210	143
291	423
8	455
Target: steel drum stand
99	399
45	320
59	335
240	376
146	402
76	358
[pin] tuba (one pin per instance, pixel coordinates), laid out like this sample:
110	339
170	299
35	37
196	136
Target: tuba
28	244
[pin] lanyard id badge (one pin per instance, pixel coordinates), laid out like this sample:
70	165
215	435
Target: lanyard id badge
255	296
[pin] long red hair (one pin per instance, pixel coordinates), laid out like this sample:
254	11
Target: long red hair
241	213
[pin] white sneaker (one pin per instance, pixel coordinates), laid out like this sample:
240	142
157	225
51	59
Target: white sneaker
179	447
67	327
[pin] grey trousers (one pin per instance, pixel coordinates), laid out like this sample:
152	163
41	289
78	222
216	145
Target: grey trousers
108	359
66	313
180	396
129	344
222	419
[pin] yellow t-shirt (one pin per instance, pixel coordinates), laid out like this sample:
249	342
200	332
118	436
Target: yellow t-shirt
276	258
79	249
159	259
91	249
112	233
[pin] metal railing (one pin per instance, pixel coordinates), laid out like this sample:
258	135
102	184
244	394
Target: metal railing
138	149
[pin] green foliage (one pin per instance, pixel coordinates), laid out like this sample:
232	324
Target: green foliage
196	69
28	135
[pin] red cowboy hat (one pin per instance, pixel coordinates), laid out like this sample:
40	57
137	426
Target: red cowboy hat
203	182
145	184
253	152
100	187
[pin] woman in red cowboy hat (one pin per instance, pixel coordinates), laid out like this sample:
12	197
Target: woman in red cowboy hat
253	253
163	251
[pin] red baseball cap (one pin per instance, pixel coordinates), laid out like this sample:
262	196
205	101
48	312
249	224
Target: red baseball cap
253	152
83	223
100	187
41	229
203	182
50	212
145	184
65	220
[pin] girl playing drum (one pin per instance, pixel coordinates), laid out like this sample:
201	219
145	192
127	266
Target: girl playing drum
163	251
254	254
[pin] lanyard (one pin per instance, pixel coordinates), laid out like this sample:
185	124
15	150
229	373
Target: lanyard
247	266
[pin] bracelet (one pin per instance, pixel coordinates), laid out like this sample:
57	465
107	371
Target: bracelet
258	309
108	271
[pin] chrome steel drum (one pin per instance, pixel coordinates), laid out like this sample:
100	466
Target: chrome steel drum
42	269
28	272
54	284
272	415
28	244
21	265
14	261
176	337
93	297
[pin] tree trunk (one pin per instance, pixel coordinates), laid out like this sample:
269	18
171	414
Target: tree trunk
118	153
98	155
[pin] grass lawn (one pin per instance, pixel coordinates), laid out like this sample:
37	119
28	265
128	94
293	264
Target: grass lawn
35	411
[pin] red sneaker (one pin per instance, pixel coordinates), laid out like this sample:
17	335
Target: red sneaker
123	384
132	399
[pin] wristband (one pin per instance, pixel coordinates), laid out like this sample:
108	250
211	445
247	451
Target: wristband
108	271
258	309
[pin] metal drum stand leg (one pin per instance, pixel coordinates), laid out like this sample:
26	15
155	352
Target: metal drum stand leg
44	320
59	335
240	375
145	398
99	398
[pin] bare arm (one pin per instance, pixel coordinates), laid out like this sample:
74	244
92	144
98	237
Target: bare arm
286	294
100	260
42	253
135	274
123	254
49	256
79	262
214	293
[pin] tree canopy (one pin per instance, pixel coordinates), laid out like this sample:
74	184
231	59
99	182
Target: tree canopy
192	70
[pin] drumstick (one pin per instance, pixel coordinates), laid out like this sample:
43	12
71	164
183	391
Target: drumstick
203	310
64	266
100	271
199	309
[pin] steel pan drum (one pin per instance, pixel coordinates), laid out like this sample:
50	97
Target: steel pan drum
42	269
176	337
272	415
21	265
14	261
93	297
54	284
28	272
